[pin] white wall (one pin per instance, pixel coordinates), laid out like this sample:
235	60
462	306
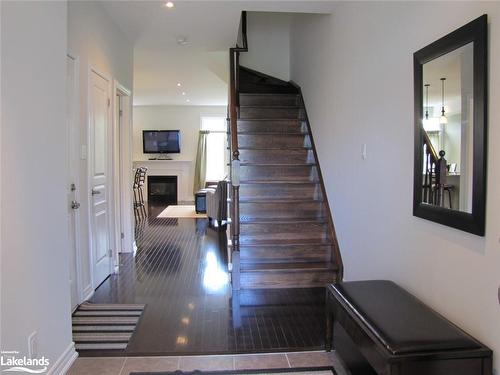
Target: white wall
268	44
356	71
185	118
34	275
98	43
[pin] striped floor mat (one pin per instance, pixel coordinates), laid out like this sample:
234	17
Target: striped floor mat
104	326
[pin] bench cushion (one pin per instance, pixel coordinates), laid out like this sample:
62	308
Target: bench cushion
399	320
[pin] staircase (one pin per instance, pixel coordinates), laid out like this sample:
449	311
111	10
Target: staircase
286	237
282	233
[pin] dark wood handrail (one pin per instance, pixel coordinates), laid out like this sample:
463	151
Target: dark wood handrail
233	112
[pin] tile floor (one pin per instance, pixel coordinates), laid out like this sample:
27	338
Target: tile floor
126	365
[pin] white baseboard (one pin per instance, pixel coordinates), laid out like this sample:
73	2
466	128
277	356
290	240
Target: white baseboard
64	362
88	292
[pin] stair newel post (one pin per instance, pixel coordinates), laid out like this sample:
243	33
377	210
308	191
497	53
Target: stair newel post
441	176
235	182
235	175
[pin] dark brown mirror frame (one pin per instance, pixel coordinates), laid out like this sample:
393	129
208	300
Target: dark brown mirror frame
475	31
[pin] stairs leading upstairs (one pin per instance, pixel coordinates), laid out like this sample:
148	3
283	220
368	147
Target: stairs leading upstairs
286	234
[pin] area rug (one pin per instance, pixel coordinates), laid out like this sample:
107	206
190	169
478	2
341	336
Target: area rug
284	371
104	326
181	211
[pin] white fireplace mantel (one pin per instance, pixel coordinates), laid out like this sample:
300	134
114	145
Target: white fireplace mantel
180	168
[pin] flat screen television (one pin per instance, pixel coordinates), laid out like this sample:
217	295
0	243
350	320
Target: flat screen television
161	141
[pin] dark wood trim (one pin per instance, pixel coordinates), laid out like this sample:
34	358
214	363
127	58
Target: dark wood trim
476	32
233	111
335	245
264	75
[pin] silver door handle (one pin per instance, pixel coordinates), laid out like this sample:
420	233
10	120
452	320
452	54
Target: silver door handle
75	205
95	192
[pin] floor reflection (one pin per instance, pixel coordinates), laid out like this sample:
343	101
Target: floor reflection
180	273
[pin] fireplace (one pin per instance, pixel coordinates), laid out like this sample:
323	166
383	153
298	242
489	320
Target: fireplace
162	189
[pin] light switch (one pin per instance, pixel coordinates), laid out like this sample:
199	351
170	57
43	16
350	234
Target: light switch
83	152
33	345
363	151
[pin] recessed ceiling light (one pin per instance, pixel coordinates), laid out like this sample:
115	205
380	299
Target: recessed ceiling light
183	93
179	84
187	100
182	41
169	4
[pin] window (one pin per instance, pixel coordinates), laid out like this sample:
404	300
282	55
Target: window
216	146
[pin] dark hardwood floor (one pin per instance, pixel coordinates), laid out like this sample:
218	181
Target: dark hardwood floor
180	273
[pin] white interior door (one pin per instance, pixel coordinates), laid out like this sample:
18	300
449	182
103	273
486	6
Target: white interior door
99	152
72	175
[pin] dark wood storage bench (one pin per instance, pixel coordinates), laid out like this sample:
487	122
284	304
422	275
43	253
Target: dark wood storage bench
379	328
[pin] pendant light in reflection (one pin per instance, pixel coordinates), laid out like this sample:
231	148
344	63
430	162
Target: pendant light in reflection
442	120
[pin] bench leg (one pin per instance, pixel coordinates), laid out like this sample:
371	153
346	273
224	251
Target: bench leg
487	366
329	323
394	369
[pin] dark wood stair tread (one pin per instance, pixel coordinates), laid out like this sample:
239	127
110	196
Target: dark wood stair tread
260	164
280	200
269	119
274	148
279	94
279	220
271	106
289	133
291	182
288	267
287	243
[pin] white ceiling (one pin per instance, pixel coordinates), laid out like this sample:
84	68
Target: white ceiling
201	66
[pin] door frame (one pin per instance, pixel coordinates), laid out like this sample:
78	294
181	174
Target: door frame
93	70
73	136
122	172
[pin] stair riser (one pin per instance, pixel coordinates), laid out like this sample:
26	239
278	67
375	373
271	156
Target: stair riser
268	100
278	126
277	156
249	299
278	173
268	191
249	238
285	254
268	113
306	279
311	210
272	141
281	231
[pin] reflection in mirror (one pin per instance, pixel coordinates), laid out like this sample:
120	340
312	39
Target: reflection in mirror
448	125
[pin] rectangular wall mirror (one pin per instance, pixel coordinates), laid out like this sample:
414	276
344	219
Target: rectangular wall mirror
450	98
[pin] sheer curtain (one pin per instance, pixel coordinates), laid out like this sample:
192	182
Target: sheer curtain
216	146
200	171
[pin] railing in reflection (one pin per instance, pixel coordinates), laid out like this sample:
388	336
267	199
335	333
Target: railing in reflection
435	175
